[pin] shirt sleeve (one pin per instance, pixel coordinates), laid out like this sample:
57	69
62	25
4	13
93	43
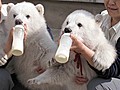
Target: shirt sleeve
105	12
2	36
2	43
3	12
114	70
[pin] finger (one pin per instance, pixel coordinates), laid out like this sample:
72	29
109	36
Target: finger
25	31
1	63
81	80
73	47
59	39
76	41
79	83
3	60
74	38
41	71
11	31
25	35
25	26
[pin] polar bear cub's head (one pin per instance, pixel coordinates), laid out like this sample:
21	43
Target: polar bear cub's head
25	13
85	26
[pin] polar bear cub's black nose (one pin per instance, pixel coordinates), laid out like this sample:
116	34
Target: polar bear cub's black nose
67	30
18	22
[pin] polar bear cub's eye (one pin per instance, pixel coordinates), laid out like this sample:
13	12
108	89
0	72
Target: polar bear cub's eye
79	25
67	22
14	15
28	16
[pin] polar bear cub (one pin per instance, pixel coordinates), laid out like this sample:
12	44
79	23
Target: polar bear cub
85	26
39	48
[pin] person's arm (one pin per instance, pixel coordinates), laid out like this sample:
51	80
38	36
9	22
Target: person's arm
79	47
8	44
0	8
7	49
5	54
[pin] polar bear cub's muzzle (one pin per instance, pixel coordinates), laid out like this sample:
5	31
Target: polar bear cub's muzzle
18	22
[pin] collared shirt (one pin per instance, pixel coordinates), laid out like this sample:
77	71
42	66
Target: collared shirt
111	33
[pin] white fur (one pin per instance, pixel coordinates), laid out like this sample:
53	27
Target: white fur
93	37
39	47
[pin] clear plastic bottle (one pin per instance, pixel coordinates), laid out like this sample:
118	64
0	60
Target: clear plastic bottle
63	51
18	36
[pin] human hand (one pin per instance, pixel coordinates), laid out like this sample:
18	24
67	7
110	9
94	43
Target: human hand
25	31
80	80
3	60
77	45
8	45
9	42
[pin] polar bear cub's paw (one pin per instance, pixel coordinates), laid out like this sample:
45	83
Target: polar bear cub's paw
103	59
36	80
32	81
52	62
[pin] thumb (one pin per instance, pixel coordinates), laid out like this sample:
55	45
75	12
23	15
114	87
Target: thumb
74	38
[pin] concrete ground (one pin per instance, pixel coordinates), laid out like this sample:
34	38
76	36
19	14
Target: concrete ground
55	14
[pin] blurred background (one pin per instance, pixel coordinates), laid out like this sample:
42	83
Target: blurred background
57	10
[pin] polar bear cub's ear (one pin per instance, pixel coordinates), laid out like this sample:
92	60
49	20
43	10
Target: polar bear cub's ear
98	18
9	6
40	8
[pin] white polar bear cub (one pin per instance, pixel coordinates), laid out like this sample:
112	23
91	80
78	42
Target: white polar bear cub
85	26
39	48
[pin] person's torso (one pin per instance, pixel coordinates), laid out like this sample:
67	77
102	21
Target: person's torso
111	33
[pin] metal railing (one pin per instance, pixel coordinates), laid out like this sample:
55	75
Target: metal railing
94	1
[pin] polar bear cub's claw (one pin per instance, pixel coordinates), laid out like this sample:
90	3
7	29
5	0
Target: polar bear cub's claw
33	81
53	62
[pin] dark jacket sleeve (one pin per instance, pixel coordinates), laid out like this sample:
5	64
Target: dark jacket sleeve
50	32
114	70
